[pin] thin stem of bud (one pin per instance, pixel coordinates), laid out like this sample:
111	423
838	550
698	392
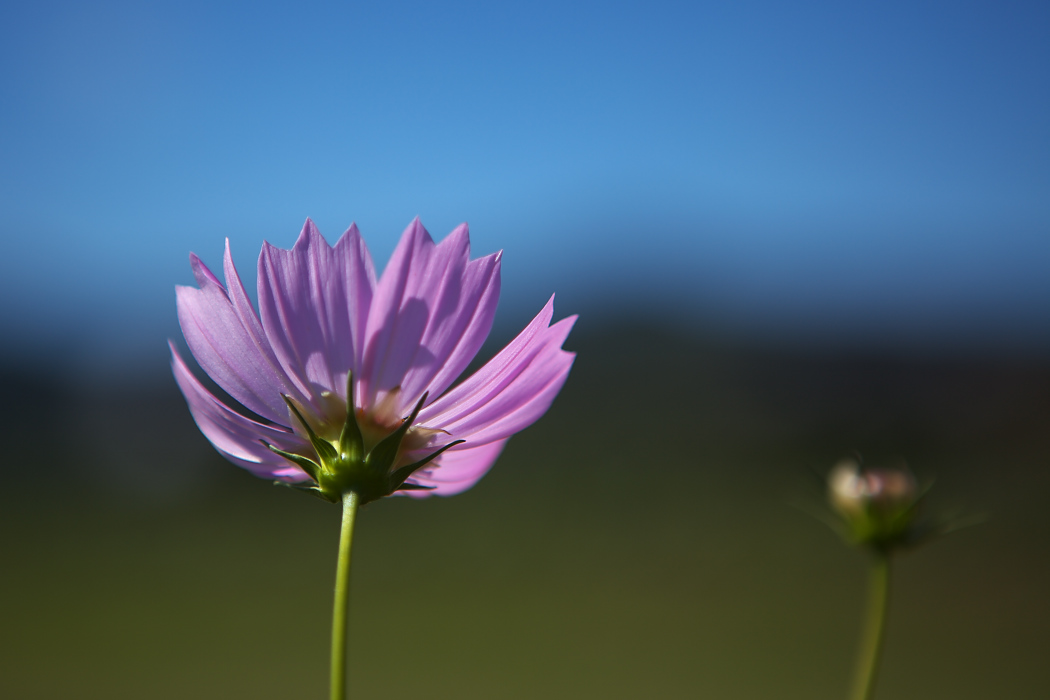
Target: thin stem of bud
871	644
340	608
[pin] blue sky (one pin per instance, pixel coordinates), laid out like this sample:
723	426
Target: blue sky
872	170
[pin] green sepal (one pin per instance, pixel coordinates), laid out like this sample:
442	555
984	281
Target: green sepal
343	467
312	490
351	442
382	456
324	449
402	474
305	463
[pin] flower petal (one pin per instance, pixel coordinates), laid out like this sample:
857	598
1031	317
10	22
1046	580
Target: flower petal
397	320
235	436
314	301
512	390
434	308
461	297
225	337
457	470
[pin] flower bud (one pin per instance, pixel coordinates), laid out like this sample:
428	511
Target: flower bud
878	506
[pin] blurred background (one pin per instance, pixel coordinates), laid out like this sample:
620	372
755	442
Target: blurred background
792	231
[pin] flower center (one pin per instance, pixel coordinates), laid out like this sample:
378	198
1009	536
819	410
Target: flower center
372	452
375	423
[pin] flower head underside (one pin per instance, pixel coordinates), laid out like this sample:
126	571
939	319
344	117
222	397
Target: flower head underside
346	376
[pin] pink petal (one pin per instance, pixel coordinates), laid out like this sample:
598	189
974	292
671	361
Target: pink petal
235	436
461	302
397	320
314	302
432	312
457	470
512	390
225	337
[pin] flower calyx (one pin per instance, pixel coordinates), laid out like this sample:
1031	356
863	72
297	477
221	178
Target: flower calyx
877	507
348	464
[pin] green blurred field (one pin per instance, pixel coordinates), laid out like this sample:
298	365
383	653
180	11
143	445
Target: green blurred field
639	542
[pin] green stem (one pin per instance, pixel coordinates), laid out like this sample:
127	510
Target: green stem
874	628
342	597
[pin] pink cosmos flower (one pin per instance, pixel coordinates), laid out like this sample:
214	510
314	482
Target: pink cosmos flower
346	379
